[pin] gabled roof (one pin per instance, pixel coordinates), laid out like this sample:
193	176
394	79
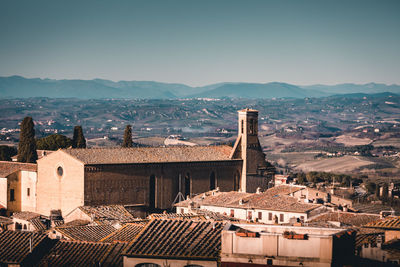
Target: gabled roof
33	218
388	223
107	213
72	253
150	154
186	239
8	167
125	234
90	233
15	245
269	200
353	219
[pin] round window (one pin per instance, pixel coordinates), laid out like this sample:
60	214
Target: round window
60	171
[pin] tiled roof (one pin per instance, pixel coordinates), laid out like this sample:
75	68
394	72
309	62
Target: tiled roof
25	215
40	154
91	233
390	223
175	216
60	224
125	234
150	154
268	200
8	167
108	213
353	219
284	189
15	245
178	239
33	218
72	253
373	208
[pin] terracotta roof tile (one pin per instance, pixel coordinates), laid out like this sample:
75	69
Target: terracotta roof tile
108	213
390	223
15	246
269	200
125	234
353	219
178	239
150	154
175	216
72	253
8	167
91	233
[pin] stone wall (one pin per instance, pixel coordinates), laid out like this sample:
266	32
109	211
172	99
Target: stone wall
130	183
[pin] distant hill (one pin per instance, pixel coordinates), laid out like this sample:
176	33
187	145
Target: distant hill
20	87
258	90
350	88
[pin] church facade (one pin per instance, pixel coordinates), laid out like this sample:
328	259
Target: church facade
154	177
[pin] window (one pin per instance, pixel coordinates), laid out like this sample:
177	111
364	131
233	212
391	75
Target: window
242	123
260	215
270	216
182	211
28	192
232	213
60	171
250	215
251	130
281	217
12	196
316	194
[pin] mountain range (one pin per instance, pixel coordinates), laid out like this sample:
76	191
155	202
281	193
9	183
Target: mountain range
20	87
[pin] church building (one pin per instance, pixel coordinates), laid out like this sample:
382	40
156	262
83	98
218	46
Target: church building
155	177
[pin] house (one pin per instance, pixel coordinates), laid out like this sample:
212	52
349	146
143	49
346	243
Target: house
103	214
271	206
154	177
260	245
18	186
174	242
30	221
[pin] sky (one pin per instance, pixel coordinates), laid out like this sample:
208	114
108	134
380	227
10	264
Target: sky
203	42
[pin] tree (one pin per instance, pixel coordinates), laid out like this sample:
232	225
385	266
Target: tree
78	141
53	142
6	152
27	144
127	136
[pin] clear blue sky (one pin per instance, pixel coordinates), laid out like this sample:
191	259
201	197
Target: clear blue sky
203	42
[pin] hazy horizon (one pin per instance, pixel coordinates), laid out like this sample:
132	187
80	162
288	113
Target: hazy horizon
203	42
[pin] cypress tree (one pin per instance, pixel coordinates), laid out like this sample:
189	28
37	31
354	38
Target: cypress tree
27	143
78	141
127	136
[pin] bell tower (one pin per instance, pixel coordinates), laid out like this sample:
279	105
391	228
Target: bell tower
247	146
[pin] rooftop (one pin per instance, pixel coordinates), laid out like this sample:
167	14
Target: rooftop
178	239
107	213
353	219
91	233
125	234
272	199
388	223
8	167
72	253
150	154
15	245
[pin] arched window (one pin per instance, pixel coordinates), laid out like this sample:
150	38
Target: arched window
152	192
147	265
187	185
212	181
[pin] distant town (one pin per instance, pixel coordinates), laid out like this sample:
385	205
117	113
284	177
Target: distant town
200	182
